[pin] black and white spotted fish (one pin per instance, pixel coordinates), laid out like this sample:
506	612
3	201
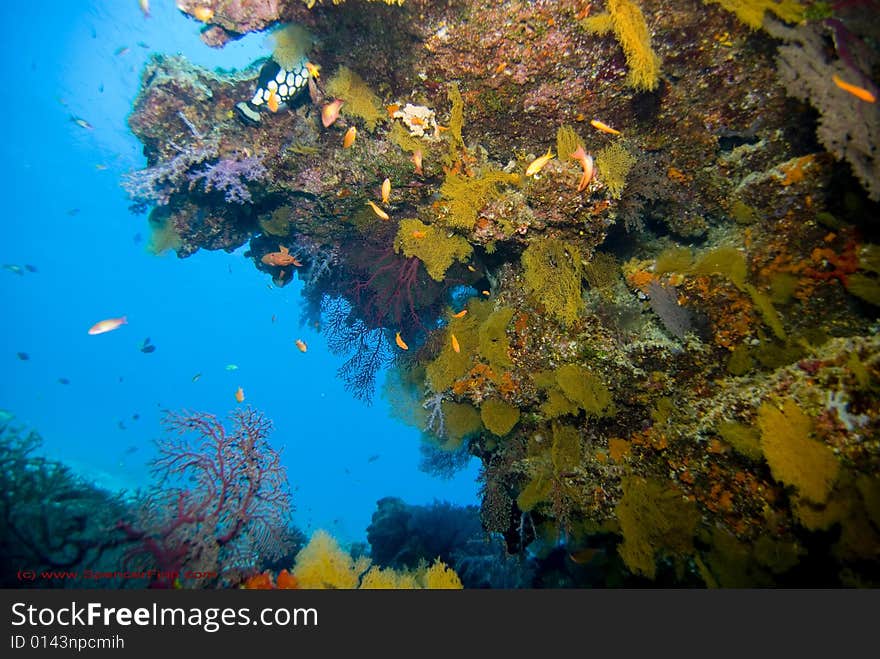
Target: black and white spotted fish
275	86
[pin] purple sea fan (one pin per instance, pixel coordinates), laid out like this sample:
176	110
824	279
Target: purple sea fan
229	175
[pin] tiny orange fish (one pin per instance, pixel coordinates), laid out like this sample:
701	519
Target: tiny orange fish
419	234
500	67
538	163
386	190
314	70
394	107
301	345
417	161
858	92
585	556
107	325
605	128
471	268
204	14
460	314
586	162
330	112
272	102
455	345
486	293
416	121
239	395
350	134
400	342
382	215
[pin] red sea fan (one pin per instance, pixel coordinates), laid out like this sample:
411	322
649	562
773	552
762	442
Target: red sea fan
220	504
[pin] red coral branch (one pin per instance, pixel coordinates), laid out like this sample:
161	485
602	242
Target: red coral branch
235	504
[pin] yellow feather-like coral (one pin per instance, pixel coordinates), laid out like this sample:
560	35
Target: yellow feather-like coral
323	564
629	25
751	12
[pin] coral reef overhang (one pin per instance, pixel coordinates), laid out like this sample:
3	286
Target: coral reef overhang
677	359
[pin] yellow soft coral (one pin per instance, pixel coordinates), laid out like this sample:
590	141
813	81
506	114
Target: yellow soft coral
751	12
360	101
433	247
441	576
655	518
323	564
290	44
794	457
628	23
552	274
614	163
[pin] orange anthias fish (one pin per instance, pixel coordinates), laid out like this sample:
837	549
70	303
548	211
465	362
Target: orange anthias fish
330	113
400	342
455	345
586	162
239	395
419	234
350	134
858	92
538	163
272	101
314	70
460	314
107	325
301	345
386	190
378	211
605	128
280	258
417	161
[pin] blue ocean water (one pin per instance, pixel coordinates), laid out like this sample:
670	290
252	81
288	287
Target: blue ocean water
97	401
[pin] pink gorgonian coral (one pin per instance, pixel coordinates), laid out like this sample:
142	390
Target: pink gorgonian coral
221	501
